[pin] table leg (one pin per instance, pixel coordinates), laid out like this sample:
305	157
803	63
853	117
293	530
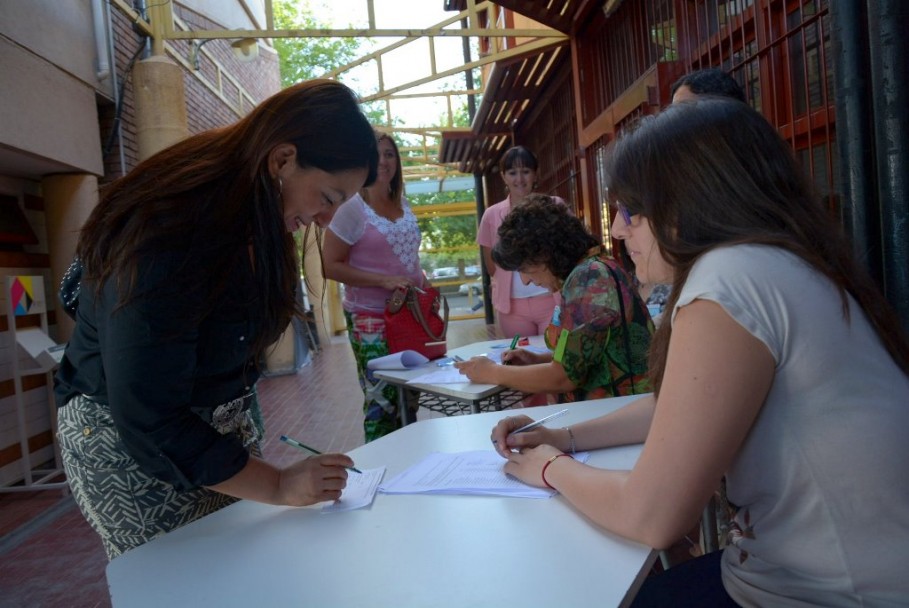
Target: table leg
406	398
402	405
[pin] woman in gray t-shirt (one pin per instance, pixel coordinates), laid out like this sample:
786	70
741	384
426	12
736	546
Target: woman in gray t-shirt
778	365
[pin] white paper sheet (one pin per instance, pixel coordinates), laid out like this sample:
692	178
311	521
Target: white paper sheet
406	359
443	375
451	375
478	473
359	492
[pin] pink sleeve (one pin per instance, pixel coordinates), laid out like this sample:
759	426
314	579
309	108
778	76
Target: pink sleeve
489	225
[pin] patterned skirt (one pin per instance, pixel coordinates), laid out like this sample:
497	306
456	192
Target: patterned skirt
123	504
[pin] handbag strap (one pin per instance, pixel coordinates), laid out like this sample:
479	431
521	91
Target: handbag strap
414	305
625	330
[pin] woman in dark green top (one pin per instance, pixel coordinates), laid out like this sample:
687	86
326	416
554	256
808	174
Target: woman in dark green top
600	334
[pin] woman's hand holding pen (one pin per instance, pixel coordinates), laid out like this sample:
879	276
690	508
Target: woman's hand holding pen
521	356
481	370
484	370
315	479
505	439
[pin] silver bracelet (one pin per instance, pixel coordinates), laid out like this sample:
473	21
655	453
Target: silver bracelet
571	447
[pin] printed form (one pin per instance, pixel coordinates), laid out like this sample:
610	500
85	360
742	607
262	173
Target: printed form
478	473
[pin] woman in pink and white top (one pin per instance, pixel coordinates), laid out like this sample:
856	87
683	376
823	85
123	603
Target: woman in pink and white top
521	309
372	246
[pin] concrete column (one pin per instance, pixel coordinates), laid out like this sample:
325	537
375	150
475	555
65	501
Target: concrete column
338	323
160	105
281	356
315	284
68	201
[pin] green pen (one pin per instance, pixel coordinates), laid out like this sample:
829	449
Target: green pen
514	343
302	446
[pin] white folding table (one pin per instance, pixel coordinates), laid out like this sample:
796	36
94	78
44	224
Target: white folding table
448	398
404	550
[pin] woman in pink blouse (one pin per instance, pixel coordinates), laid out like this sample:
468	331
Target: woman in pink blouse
372	246
520	309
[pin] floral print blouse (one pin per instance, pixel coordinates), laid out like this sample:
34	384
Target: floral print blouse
603	354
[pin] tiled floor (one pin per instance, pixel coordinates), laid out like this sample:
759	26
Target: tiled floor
50	557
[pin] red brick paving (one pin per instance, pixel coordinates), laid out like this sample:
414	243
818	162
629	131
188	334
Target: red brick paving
49	556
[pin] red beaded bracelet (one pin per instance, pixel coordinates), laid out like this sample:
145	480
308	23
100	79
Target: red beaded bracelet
546	466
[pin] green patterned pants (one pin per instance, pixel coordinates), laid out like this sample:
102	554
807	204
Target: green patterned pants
380	404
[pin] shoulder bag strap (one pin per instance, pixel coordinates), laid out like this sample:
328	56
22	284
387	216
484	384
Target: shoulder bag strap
414	304
627	341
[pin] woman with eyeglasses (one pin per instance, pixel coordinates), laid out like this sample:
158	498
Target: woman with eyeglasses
601	332
779	365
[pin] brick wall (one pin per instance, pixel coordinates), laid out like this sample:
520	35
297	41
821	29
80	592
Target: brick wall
205	110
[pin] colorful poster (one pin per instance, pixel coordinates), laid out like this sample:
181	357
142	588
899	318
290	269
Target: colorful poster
26	295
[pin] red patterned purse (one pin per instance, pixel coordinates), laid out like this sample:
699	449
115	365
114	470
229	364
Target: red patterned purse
413	322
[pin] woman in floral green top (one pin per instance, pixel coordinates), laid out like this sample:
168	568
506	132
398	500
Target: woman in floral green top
600	335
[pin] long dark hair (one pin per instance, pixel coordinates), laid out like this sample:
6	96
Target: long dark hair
207	199
713	172
542	232
396	187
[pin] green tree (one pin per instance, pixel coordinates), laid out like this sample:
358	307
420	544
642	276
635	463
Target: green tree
307	58
447	241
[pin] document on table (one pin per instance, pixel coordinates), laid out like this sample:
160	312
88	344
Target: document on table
359	492
479	473
451	375
405	359
443	375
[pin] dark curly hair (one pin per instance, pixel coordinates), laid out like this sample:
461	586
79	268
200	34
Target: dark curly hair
542	232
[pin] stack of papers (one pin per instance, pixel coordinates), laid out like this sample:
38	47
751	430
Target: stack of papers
478	473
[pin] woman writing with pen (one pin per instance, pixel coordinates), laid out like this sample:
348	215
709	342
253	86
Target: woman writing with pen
189	277
779	365
599	336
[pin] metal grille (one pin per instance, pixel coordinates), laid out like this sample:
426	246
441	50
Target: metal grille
617	50
780	54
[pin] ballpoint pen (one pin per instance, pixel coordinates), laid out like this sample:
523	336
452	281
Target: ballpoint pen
535	424
301	446
514	343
